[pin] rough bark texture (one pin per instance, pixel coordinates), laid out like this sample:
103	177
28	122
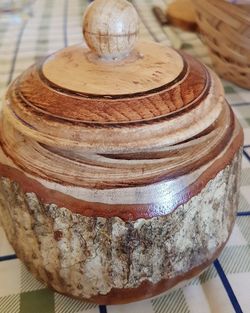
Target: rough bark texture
85	256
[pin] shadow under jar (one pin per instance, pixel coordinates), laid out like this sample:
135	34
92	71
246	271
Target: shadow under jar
119	164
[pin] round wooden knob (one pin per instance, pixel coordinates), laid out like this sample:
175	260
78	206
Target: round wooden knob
110	28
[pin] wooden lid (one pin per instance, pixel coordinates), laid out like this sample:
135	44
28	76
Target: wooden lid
59	94
118	113
77	95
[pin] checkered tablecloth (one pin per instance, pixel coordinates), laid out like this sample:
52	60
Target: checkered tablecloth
46	26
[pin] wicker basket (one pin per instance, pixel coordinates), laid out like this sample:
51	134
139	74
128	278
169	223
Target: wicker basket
225	29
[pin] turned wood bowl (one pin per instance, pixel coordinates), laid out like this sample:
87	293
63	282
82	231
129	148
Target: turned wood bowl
119	164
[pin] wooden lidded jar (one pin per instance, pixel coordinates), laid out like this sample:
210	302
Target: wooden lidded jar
119	164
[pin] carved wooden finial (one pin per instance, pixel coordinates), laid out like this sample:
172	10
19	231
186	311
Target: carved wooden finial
110	28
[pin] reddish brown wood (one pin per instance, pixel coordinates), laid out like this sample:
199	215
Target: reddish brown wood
32	95
124	211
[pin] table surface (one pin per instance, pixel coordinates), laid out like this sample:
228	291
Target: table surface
46	26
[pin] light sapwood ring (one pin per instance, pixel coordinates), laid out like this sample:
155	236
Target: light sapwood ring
110	28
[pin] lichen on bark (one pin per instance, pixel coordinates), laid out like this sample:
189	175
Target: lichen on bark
86	256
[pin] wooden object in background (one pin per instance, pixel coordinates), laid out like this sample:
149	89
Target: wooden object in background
176	43
225	29
181	13
119	172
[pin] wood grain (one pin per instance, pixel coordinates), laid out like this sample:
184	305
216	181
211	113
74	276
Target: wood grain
149	67
110	28
173	176
118	165
90	123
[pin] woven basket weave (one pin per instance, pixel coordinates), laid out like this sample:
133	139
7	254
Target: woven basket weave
225	29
